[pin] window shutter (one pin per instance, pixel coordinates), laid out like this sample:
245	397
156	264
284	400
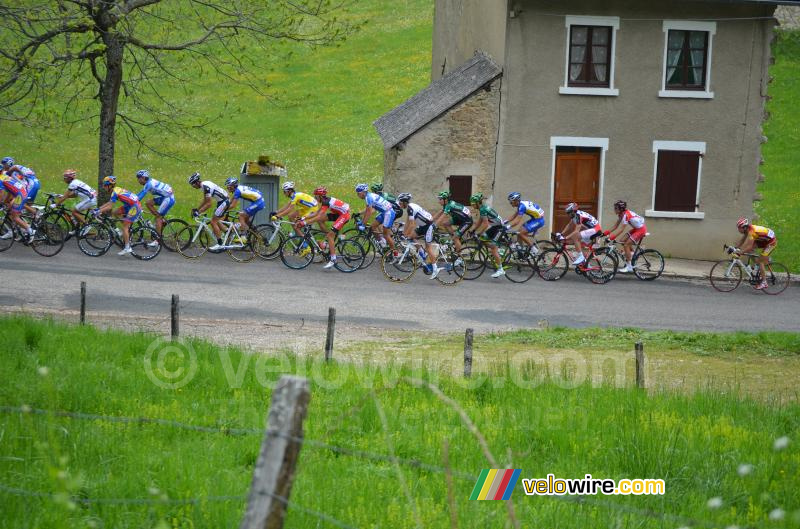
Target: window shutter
676	181
461	188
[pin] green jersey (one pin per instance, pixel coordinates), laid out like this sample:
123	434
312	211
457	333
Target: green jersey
457	212
489	213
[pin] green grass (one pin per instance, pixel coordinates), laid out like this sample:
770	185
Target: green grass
780	206
696	443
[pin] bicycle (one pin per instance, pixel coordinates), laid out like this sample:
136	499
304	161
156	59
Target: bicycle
726	275
97	235
600	266
299	251
169	232
47	239
372	244
402	267
193	242
648	264
273	235
517	258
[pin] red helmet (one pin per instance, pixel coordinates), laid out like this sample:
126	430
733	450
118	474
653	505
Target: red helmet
69	174
743	222
321	191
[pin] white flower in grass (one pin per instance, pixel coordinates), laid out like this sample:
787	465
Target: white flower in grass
745	469
714	503
44	371
25	408
777	514
732	527
154	491
781	443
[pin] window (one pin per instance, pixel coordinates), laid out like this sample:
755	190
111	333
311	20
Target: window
591	42
687	59
461	188
676	185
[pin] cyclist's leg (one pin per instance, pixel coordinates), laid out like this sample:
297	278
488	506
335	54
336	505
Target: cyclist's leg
216	219
131	215
388	220
164	206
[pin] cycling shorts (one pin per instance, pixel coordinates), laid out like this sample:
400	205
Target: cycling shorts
130	214
254	208
222	206
426	230
766	250
587	236
464	225
637	234
338	219
493	233
33	190
18	204
164	204
86	203
533	225
387	218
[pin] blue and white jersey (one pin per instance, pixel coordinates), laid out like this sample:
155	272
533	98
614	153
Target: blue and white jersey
533	210
377	202
156	188
247	193
23	173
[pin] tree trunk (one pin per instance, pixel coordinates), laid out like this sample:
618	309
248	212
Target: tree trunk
109	98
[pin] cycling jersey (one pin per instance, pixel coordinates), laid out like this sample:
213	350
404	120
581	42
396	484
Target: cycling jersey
15	186
124	196
459	213
584	219
632	219
488	213
21	172
377	202
338	206
393	201
212	190
247	193
761	235
532	209
420	216
81	189
156	188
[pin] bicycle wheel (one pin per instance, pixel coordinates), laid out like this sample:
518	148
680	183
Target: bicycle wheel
272	239
296	252
241	252
48	239
60	219
777	278
475	258
169	233
366	242
399	269
322	243
6	234
145	243
594	271
552	264
608	265
350	255
725	275
94	239
648	265
518	266
192	243
452	268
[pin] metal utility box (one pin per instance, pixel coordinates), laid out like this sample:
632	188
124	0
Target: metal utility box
264	176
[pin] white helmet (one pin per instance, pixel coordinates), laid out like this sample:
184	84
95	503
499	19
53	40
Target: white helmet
288	185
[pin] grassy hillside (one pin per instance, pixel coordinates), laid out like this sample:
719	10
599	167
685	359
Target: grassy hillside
710	445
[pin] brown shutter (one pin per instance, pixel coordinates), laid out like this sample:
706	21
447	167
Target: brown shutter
676	180
461	188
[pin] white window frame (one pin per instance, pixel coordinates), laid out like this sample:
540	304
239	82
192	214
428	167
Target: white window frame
592	91
695	146
688	25
578	141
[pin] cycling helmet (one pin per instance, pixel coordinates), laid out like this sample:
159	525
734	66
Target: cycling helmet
69	174
194	178
361	188
377	187
232	181
289	185
514	196
743	222
110	180
404	197
144	173
477	197
621	205
572	206
8	161
321	191
443	195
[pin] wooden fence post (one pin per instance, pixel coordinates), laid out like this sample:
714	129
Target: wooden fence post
640	365
468	353
83	302
329	337
175	314
274	471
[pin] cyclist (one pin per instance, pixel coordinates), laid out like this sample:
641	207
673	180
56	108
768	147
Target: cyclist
626	217
81	190
211	191
529	227
300	207
453	214
333	210
420	224
377	188
130	209
490	226
16	195
28	177
163	197
759	237
385	218
243	192
583	228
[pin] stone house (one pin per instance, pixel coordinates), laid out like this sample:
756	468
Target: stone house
656	103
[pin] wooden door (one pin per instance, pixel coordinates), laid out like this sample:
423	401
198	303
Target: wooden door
576	180
460	188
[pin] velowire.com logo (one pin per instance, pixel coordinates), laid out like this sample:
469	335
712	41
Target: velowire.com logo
495	484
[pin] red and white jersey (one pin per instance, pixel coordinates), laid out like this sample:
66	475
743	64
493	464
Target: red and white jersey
338	206
584	219
632	219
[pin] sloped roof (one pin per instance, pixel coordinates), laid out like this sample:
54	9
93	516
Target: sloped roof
434	100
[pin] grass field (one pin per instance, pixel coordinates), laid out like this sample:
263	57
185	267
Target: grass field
705	446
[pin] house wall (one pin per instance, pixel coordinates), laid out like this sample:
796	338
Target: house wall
460	142
462	26
533	111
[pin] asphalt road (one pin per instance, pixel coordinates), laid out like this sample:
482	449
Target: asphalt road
215	287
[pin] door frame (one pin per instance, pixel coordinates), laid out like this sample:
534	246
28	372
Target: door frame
578	141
